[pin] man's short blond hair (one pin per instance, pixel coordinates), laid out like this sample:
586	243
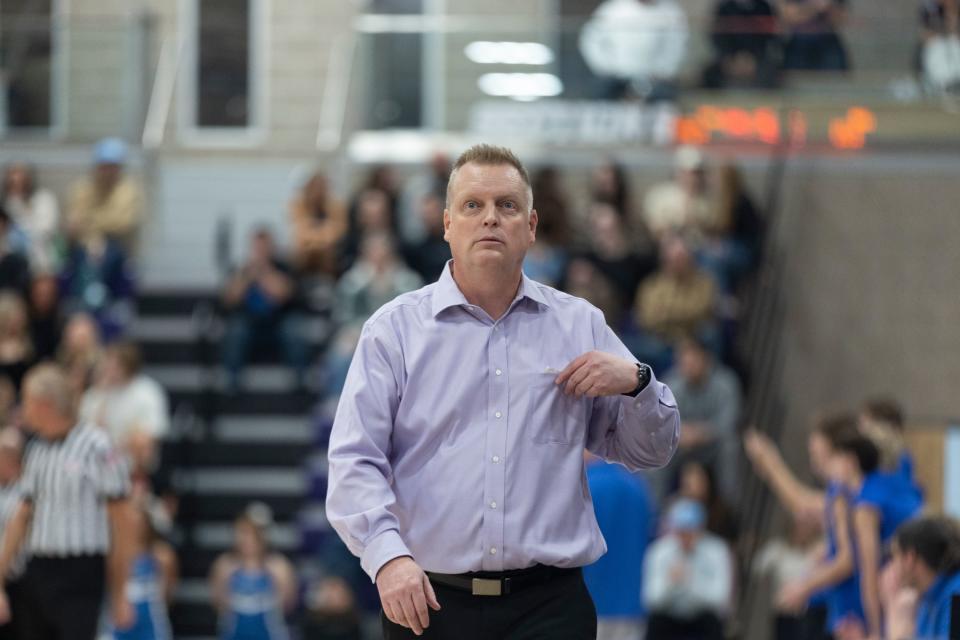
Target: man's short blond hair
490	155
48	382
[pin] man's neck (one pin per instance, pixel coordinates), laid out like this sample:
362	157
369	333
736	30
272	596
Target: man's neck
486	289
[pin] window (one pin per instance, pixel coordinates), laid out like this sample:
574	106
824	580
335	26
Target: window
223	84
396	78
26	64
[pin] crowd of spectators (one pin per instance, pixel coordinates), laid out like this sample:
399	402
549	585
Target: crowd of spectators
669	268
639	47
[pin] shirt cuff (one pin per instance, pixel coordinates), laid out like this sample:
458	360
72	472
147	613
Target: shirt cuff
382	549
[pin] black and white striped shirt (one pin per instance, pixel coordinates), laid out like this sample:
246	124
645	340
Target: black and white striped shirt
9	501
69	482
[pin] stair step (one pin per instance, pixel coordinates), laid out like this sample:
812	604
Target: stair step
173	302
281	403
242	481
226	507
238	454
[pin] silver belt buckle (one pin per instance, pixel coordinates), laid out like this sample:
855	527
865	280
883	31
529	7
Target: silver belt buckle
483	587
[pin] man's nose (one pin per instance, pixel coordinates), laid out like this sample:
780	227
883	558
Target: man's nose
490	217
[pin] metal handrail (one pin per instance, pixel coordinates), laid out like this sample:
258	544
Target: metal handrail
161	96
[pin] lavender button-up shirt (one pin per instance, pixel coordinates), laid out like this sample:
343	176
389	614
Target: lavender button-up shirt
452	443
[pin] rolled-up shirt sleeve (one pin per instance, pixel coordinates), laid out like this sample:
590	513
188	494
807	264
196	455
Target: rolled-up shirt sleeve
640	432
359	492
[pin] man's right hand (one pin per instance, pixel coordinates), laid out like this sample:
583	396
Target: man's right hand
405	592
4	607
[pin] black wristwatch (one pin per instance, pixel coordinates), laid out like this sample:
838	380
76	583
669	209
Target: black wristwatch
643	379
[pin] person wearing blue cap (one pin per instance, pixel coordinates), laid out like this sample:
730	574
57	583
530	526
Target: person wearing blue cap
107	204
687	578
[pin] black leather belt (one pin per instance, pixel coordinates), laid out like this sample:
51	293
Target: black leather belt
491	583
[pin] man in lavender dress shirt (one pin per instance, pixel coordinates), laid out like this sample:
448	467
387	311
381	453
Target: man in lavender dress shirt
456	467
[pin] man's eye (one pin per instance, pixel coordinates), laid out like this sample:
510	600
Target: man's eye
471	204
508	204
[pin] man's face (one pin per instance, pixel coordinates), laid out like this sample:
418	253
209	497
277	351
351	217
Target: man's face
489	221
688	540
261	249
693	363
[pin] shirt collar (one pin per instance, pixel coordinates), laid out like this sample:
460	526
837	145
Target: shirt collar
447	294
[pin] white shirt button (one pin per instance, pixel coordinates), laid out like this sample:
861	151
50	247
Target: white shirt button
499	372
493	551
493	505
498	414
495	458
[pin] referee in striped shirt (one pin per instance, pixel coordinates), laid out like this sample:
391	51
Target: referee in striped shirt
73	517
11	464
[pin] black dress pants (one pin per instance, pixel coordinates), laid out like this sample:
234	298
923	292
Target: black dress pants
560	609
62	598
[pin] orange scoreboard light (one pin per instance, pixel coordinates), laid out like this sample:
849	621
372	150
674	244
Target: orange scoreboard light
766	125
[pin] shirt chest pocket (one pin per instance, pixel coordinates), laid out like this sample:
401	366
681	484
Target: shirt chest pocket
552	417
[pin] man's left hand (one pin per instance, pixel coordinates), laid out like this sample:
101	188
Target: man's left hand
596	374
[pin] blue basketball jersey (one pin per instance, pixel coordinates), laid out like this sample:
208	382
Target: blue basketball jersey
254	608
145	593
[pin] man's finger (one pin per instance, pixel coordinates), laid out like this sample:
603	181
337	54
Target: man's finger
588	382
420	606
577	379
410	614
431	595
388	611
575	364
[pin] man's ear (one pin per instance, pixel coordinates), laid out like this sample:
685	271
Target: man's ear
446	225
534	219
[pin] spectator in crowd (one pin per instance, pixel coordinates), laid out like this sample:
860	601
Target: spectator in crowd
710	395
683	203
687	579
11	466
16	348
625	512
332	612
552	210
431	180
97	279
318	223
429	255
547	259
151	584
927	554
36	214
375	279
14	268
940	43
9	405
745	41
674	303
697	482
371	212
131	406
252	587
882	501
834	577
615	256
813	39
636	46
786	560
107	203
46	318
79	352
259	300
609	184
729	248
584	280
